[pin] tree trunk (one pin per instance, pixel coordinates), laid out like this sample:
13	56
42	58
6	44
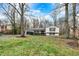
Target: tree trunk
74	20
22	21
74	24
66	21
14	24
55	18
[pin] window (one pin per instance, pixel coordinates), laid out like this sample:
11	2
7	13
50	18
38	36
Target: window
52	29
2	27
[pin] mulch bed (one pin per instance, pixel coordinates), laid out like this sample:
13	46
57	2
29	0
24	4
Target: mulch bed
19	36
73	44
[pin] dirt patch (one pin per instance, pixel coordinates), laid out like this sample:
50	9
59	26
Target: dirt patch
73	44
18	36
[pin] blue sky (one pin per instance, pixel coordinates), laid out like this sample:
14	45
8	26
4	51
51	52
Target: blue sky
40	9
44	8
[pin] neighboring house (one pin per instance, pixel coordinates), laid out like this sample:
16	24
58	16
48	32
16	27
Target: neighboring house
5	28
76	32
52	30
36	31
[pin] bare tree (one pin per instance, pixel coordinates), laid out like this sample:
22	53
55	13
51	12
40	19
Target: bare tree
22	19
21	13
74	19
10	13
13	16
66	21
55	18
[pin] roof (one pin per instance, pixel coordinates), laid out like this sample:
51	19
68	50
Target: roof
52	27
33	29
40	29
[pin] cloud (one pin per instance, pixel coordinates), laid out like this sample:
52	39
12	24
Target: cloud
35	13
61	14
2	17
48	17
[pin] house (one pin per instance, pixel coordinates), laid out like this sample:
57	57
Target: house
76	32
2	28
5	28
36	31
52	30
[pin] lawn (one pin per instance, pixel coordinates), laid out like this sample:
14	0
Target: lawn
35	46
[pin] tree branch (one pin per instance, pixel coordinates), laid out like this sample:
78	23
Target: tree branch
15	8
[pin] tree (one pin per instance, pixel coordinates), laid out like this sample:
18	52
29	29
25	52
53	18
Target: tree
22	19
13	17
55	18
10	13
21	13
74	19
66	21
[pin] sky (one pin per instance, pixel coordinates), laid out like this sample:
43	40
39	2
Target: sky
43	7
39	9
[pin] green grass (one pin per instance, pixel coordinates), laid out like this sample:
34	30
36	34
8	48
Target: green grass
35	46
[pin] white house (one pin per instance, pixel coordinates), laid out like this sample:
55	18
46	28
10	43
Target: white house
52	30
